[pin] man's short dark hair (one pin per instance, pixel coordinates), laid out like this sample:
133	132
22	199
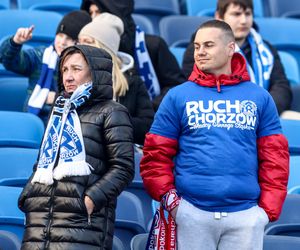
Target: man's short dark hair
219	25
222	5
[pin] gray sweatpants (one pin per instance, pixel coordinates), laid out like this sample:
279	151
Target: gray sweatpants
199	229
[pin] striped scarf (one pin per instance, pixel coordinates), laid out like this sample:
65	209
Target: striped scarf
42	88
145	67
262	60
63	139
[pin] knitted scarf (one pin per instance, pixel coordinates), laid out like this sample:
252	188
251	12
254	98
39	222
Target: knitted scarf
63	139
262	60
42	88
145	67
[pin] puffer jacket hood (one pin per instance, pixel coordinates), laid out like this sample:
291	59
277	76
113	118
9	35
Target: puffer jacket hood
239	74
123	9
100	64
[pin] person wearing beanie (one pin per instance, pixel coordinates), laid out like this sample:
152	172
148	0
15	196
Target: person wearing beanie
39	63
154	61
105	32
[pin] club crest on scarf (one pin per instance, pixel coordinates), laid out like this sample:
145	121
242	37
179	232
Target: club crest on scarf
63	140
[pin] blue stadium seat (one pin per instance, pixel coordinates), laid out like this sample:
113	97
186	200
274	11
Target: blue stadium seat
198	7
13	93
178	52
9	241
38	4
277	242
117	244
284	229
294	189
144	23
13	224
290	66
156	9
281	8
45	23
294	178
139	241
16	163
18	129
290	211
177	30
4	4
291	130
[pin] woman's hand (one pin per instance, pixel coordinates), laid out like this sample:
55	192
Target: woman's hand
89	204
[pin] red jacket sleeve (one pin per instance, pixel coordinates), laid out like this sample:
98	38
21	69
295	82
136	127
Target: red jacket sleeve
273	173
157	165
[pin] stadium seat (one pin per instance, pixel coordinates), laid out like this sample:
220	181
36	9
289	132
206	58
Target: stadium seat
117	244
177	30
294	177
13	93
178	52
144	23
277	242
291	67
4	4
291	130
284	229
281	8
197	7
156	9
18	129
294	190
52	5
9	241
16	163
14	225
45	23
290	211
139	241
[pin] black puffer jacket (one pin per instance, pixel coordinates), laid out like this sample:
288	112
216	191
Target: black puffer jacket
168	72
56	216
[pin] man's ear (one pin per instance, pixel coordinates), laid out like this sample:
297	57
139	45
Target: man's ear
217	16
231	47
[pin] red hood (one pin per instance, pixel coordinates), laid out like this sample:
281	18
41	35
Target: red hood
239	74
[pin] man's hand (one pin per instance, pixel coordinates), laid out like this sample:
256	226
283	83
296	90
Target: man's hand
89	204
23	35
174	212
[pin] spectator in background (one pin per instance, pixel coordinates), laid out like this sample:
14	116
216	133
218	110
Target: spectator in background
105	32
40	64
263	62
154	61
231	170
85	160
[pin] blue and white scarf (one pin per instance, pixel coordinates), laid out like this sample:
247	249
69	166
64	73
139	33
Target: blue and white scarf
63	139
145	67
262	60
42	88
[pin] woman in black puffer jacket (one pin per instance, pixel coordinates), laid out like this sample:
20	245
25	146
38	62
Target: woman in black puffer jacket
76	210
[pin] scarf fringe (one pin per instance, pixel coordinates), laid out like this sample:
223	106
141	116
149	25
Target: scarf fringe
43	176
71	169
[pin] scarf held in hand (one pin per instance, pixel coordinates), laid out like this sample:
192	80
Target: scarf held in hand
63	139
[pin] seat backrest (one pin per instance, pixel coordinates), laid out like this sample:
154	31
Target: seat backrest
290	66
177	30
144	23
9	240
13	224
294	176
139	241
130	208
117	244
13	93
17	162
60	7
193	7
154	10
278	8
291	130
26	4
5	4
19	129
279	242
296	98
10	207
178	52
45	24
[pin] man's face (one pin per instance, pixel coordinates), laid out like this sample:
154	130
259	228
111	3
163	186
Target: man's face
212	54
61	42
75	72
240	21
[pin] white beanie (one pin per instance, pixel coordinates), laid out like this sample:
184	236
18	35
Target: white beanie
105	28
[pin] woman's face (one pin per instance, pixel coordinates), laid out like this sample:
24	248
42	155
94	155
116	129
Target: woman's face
75	72
94	11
